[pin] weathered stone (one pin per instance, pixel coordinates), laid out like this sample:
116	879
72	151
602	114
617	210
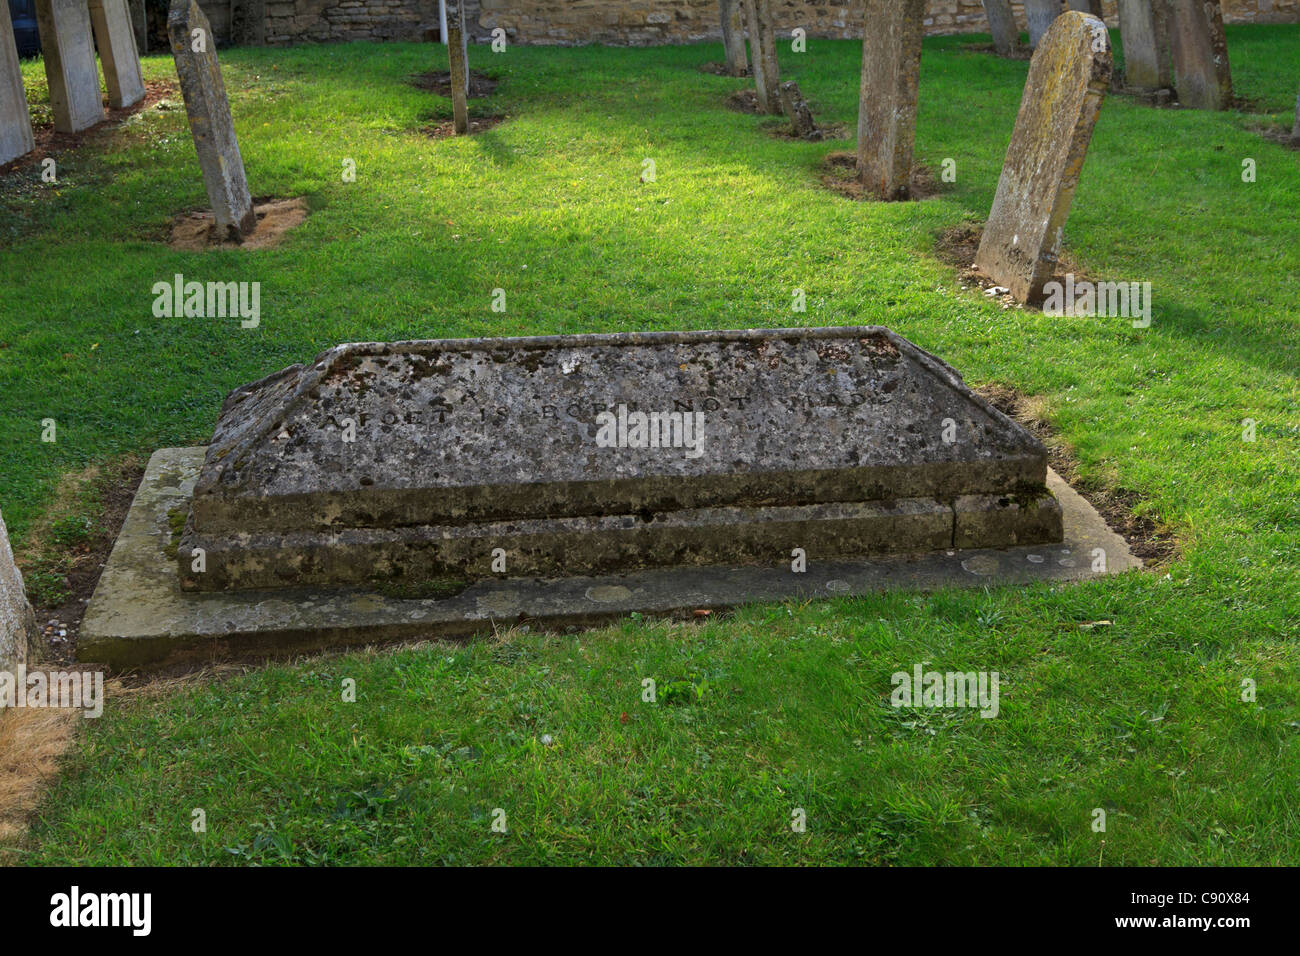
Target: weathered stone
18	631
762	42
1295	130
1093	7
140	24
1144	30
412	462
1040	14
796	109
891	70
69	64
1202	74
458	55
733	37
15	121
1002	24
140	618
1063	95
115	39
194	50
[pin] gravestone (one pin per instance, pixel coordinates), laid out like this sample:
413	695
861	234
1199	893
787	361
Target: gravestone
762	41
796	109
1002	24
140	24
69	64
1202	74
407	464
1040	14
1063	95
115	38
1144	29
18	631
1093	7
15	121
1295	130
733	37
195	51
891	69
458	55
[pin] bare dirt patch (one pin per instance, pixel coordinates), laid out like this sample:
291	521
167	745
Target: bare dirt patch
958	245
840	175
439	82
49	140
1119	506
61	573
477	124
743	101
275	218
1276	134
720	69
820	134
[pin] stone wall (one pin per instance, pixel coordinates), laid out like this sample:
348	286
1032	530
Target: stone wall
621	22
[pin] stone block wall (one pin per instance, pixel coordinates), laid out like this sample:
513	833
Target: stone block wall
620	22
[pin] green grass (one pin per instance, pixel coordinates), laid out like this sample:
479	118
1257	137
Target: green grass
775	707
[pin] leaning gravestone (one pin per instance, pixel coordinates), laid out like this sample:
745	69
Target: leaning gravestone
115	38
762	41
1295	130
1040	14
15	121
891	68
797	111
1202	74
69	64
1002	24
1144	29
194	50
458	56
18	631
405	464
733	37
1063	95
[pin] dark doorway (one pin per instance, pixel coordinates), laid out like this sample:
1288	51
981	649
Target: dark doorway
23	13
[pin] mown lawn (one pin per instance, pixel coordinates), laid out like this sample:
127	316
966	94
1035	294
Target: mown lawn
774	708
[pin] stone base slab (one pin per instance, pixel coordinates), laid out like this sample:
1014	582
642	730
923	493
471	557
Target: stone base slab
140	619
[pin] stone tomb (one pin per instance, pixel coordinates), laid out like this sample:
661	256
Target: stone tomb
70	66
398	465
445	488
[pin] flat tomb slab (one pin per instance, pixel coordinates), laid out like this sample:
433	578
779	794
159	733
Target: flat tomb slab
588	454
140	618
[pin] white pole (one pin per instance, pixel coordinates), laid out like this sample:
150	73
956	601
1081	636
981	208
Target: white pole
442	20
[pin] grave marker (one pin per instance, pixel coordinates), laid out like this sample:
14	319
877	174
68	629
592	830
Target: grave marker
762	40
1002	24
194	49
408	463
1040	14
1202	74
15	121
796	108
69	64
891	68
115	38
18	630
458	54
1144	29
733	37
1063	95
